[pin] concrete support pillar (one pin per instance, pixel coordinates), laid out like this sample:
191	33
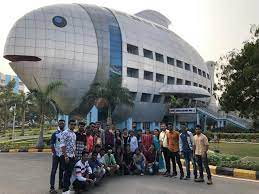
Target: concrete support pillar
205	123
198	118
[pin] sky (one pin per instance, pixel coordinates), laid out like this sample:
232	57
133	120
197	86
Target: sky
212	27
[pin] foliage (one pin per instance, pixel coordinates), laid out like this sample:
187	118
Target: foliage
238	76
231	161
236	136
7	101
112	92
45	105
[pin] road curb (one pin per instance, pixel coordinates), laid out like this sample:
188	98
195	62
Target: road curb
31	150
232	172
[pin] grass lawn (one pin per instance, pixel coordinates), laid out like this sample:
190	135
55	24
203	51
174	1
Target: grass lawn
242	150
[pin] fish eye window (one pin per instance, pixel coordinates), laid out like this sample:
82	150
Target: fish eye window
59	21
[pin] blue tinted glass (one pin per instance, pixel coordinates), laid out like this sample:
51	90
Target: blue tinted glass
59	21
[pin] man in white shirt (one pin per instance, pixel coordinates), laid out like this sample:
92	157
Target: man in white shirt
133	142
164	147
81	177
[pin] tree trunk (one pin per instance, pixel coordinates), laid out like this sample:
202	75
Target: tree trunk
23	122
109	118
40	143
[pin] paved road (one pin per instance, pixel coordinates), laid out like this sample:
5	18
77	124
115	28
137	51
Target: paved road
28	173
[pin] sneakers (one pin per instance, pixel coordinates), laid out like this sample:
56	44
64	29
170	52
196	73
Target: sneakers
186	178
141	174
209	182
53	191
199	180
167	174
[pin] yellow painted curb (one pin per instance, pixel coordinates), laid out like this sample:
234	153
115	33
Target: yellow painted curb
32	150
47	150
247	174
213	169
13	150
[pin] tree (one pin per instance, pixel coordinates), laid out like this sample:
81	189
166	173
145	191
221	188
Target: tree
109	95
24	100
7	100
238	78
175	103
45	105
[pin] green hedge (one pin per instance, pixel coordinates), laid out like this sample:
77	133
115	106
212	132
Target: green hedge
231	161
236	136
23	144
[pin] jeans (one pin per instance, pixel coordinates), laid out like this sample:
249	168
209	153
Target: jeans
167	159
203	161
69	166
57	161
175	157
188	157
140	166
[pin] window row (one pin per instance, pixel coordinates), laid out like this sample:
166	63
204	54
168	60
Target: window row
134	73
171	61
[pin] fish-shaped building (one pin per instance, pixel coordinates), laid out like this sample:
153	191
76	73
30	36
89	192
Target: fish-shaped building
81	44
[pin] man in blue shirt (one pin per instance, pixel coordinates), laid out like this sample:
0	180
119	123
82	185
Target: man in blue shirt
186	149
57	157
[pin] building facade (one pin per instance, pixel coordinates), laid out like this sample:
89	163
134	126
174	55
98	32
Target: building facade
81	44
5	79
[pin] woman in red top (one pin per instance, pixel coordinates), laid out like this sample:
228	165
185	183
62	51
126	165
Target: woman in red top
147	141
89	141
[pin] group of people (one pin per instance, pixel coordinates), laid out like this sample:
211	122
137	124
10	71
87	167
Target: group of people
86	155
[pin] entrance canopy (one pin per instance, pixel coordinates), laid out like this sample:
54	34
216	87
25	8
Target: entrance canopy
184	91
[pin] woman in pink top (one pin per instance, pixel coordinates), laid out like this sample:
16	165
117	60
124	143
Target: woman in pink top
147	141
89	141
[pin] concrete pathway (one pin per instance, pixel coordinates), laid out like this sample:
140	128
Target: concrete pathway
28	173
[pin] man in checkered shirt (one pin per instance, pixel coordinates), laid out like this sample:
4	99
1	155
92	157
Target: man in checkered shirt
80	140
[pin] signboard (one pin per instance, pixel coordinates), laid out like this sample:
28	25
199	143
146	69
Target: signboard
182	110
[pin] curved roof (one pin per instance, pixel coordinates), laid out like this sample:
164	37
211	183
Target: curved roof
184	91
154	16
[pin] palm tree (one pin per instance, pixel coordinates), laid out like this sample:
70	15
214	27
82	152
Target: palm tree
45	105
7	100
109	94
175	103
24	100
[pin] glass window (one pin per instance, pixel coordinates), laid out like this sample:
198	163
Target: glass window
156	98
159	77
208	76
188	82
132	49
199	71
203	74
179	64
195	84
159	57
148	75
148	53
179	81
59	21
194	69
145	97
131	72
170	61
170	80
187	67
200	85
209	90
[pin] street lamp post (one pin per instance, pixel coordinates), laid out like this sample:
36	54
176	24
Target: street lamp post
14	114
